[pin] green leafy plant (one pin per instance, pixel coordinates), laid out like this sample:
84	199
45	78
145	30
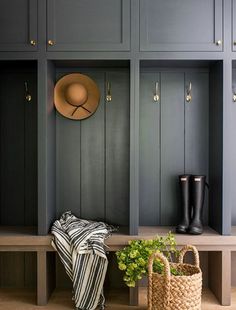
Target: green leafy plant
133	259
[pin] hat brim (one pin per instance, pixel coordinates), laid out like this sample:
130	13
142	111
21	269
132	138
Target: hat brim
70	111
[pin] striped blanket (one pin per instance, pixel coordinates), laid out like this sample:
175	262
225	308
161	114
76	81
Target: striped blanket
80	245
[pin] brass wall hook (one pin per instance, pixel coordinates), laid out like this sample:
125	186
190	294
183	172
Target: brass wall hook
189	93
156	96
28	96
108	95
234	96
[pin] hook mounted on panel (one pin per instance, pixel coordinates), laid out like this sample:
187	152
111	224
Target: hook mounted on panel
28	96
156	96
108	91
234	96
189	93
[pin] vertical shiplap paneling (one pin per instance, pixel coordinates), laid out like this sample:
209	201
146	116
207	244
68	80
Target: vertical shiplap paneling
172	144
197	129
30	152
30	269
68	165
216	147
93	158
117	149
12	149
12	269
149	150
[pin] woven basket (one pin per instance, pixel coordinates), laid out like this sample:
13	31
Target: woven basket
166	292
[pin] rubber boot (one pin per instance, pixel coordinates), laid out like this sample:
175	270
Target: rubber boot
184	183
198	183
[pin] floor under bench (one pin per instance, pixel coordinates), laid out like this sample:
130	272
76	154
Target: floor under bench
61	300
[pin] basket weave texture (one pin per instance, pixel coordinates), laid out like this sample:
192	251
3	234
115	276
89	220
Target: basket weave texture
166	292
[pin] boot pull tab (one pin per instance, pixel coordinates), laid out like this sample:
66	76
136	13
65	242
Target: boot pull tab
196	179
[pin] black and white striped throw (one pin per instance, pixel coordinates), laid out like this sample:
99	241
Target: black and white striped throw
81	248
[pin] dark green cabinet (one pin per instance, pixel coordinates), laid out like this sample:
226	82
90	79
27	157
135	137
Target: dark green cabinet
181	25
18	25
88	25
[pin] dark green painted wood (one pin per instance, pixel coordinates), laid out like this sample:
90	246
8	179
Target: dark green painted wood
93	159
149	150
30	269
18	150
216	147
18	20
12	154
197	129
31	154
12	269
117	149
174	25
233	25
89	25
172	144
68	165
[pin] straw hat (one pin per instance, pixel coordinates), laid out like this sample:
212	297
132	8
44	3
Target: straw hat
76	96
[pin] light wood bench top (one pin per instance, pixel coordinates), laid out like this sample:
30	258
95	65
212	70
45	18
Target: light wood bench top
25	239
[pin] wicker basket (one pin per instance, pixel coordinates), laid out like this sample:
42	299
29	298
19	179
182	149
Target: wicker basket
166	292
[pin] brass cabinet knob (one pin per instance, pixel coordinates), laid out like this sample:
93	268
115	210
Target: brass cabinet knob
219	42
50	42
33	42
234	43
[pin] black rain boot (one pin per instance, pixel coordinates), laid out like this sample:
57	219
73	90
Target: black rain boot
184	182
198	183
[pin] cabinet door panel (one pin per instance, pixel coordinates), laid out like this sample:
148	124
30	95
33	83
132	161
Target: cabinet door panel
18	25
180	25
88	25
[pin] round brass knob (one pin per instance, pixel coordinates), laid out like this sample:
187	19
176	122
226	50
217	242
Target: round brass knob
219	42
33	42
50	42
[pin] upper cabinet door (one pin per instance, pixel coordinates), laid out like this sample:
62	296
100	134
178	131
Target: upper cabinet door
88	25
18	25
181	25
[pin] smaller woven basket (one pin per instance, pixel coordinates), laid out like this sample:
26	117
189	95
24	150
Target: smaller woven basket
167	292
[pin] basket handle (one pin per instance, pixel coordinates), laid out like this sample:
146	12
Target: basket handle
166	275
186	249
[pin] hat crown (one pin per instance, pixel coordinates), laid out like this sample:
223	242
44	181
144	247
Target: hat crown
76	94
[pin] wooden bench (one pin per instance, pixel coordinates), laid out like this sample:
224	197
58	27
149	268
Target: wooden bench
219	250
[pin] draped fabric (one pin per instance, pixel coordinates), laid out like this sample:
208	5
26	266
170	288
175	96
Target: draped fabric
81	248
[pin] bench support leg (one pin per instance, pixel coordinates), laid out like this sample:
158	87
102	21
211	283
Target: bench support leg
45	276
220	276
